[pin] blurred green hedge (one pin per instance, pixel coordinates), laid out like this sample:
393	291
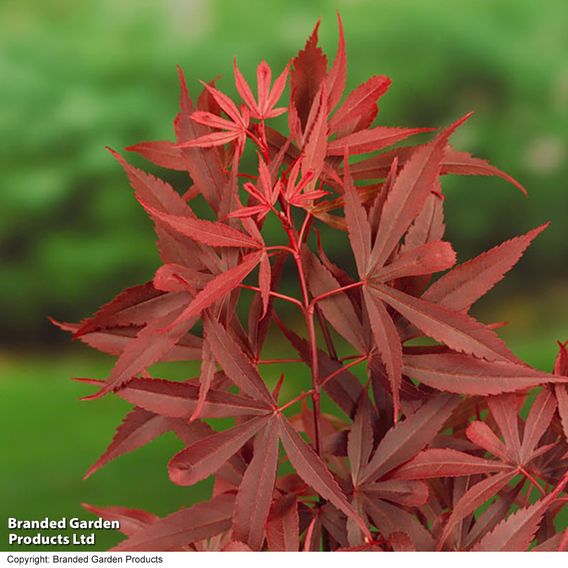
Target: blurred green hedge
77	76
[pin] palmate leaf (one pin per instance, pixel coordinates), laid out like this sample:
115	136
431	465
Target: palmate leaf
131	520
561	368
403	467
464	374
457	330
283	525
388	343
255	492
315	473
206	232
406	199
434	463
404	440
517	532
203	458
150	346
460	288
516	455
474	498
360	104
134	306
515	449
337	75
217	289
337	309
454	162
307	74
481	435
181	400
176	531
371	139
357	223
138	428
235	363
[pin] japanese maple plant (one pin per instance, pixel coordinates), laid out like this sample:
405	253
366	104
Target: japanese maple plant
419	429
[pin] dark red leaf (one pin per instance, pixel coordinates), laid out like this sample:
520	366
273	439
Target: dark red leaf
235	363
457	330
131	520
358	103
282	526
481	435
176	531
135	306
410	493
337	76
206	456
464	374
181	400
150	346
337	309
467	282
473	498
308	72
138	428
454	162
360	441
424	259
517	531
162	153
464	164
357	223
206	232
314	472
370	140
255	492
404	440
152	191
387	341
435	463
391	519
410	190
218	288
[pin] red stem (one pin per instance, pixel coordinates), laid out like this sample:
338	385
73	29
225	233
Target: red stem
532	480
276	295
336	291
343	368
278	361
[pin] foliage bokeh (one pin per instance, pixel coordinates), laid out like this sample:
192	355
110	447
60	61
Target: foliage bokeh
77	76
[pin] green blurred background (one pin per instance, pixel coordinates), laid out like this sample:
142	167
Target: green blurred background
78	75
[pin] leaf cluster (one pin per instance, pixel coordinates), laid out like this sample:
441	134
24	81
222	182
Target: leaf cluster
428	427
